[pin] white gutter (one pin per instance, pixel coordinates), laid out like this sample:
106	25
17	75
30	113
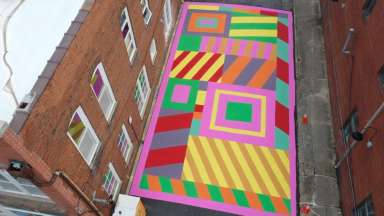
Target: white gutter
8	84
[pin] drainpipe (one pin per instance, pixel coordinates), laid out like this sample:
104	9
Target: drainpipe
369	123
72	184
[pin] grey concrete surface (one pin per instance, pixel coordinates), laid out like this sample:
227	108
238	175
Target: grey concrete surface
317	181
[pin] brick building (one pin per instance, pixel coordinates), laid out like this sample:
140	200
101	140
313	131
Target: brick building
78	131
354	43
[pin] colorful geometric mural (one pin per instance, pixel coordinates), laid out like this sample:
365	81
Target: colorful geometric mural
222	132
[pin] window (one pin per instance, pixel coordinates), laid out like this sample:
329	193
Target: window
365	208
142	91
21	212
167	16
81	133
112	182
103	91
350	126
153	50
125	144
127	32
147	14
381	76
368	7
18	185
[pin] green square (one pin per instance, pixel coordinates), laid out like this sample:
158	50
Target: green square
239	112
190	105
189	43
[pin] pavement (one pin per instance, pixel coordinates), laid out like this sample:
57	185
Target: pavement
317	182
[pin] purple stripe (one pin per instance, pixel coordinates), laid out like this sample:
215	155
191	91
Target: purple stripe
204	43
267	51
216	46
243	44
229	46
255	48
205	21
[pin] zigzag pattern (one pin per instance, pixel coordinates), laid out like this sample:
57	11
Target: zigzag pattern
197	66
215	193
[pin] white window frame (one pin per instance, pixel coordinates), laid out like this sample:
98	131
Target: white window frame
127	150
153	51
145	7
129	39
142	100
107	89
11	211
89	129
167	17
21	187
116	190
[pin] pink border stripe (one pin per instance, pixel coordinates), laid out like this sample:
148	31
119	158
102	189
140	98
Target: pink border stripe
135	190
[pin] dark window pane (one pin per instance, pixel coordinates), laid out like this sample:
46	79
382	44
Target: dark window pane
125	30
368	7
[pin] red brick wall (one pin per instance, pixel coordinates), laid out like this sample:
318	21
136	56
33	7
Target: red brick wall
354	85
99	39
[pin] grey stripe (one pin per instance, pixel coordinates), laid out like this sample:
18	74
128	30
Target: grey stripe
249	71
170	139
173	171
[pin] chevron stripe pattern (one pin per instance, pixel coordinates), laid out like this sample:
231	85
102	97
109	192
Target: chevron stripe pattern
282	87
222	132
219	194
232	164
198	66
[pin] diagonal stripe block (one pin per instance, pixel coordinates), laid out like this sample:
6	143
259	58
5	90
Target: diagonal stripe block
282	70
237	165
198	66
282	117
174	122
282	32
166	156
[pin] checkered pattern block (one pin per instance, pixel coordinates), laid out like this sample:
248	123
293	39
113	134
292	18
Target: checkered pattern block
222	132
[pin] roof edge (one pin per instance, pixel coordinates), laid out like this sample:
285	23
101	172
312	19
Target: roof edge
26	105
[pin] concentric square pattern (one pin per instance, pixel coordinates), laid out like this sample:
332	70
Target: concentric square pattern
259	130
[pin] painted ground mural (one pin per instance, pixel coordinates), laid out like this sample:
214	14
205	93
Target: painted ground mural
222	132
